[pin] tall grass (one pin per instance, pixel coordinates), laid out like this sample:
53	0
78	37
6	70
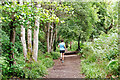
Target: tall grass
100	58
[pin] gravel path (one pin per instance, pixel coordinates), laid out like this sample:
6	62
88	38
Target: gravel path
69	69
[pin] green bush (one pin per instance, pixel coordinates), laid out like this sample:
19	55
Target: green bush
7	70
48	62
55	55
34	70
48	55
18	43
24	69
92	70
74	46
113	67
42	41
13	71
100	53
57	49
5	41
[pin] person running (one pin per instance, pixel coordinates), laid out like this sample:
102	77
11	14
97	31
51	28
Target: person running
62	50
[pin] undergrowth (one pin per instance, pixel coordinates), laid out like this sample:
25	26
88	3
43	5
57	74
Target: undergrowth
100	58
22	69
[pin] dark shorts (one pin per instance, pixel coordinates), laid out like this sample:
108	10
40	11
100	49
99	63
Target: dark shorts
62	51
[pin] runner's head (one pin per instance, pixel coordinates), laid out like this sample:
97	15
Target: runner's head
62	40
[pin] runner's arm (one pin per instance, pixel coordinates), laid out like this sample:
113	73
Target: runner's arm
64	47
58	45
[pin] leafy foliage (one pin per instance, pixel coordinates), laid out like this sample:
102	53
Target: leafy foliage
81	22
48	62
73	19
4	41
24	69
113	67
107	17
34	70
55	55
101	54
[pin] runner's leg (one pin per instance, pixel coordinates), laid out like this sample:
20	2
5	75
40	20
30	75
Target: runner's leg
62	56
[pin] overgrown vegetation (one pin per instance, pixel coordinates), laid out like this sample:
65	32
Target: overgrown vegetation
30	33
100	58
22	69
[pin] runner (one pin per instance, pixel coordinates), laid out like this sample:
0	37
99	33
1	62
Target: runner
62	50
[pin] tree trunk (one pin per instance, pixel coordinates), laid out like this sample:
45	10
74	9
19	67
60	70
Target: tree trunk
23	37
29	40
51	38
29	43
54	42
12	40
23	41
48	34
66	43
35	40
54	45
12	35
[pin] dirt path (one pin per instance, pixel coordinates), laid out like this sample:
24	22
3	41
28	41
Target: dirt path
69	69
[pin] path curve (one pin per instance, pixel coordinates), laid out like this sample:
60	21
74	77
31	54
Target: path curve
69	69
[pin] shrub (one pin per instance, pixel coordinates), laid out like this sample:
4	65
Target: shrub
7	70
74	46
100	53
11	71
24	69
113	67
57	49
92	70
34	70
47	55
5	41
48	62
55	55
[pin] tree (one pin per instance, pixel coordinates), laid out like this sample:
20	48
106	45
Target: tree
23	37
107	17
50	19
79	26
35	38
